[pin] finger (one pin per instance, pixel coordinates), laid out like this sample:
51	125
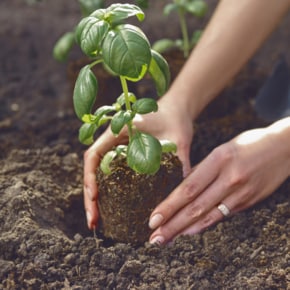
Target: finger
91	211
183	153
232	203
211	218
92	159
198	180
192	212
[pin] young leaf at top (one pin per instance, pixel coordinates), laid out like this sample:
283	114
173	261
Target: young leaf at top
159	71
85	92
145	106
90	34
144	153
118	12
126	51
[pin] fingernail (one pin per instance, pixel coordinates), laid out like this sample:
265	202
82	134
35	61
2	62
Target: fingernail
89	193
89	217
155	221
157	240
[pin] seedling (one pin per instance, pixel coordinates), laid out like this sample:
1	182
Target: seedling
65	43
197	8
126	52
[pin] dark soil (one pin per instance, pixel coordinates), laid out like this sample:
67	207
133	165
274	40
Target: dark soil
44	242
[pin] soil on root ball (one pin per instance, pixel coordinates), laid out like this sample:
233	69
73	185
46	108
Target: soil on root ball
126	198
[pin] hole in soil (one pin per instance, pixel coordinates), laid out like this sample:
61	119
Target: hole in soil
75	223
75	219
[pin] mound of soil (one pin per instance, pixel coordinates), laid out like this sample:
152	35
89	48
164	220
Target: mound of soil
44	241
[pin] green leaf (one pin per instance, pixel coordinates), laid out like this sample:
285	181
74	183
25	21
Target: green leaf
168	146
99	13
197	7
118	12
169	8
119	120
101	112
144	153
142	3
85	91
159	71
63	46
89	118
121	100
195	37
79	29
126	51
145	106
88	6
163	45
86	133
106	161
90	34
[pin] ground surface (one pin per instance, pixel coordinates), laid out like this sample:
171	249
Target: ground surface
44	243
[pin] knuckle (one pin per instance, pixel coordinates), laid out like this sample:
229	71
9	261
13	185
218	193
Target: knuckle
223	153
194	211
190	190
236	179
208	220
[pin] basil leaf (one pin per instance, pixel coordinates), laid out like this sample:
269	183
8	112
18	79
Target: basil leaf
119	120
85	91
86	133
144	153
118	12
106	161
91	34
159	71
126	51
63	46
145	106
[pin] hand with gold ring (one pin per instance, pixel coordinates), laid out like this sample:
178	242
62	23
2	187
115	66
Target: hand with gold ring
233	177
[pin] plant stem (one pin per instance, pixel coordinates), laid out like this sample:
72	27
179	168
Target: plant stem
127	104
183	26
99	60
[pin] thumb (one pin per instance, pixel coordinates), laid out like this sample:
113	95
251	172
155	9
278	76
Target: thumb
183	155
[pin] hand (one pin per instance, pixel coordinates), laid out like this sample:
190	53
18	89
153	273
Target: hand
170	123
237	174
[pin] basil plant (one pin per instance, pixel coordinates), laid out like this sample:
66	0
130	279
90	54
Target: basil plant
183	8
125	51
